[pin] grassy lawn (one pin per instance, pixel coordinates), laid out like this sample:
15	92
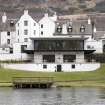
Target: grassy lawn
7	74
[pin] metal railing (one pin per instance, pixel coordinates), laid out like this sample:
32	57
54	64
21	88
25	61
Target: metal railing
33	79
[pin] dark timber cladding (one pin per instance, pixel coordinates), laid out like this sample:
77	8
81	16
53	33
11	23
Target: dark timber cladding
33	82
59	44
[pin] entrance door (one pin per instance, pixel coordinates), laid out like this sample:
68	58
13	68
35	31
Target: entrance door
59	68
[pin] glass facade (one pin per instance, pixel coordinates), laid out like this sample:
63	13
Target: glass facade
58	45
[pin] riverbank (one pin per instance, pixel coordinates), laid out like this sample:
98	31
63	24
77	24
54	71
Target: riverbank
63	79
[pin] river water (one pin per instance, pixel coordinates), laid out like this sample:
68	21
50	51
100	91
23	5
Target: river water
53	96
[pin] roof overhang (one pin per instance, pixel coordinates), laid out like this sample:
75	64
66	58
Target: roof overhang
88	51
58	38
29	51
85	51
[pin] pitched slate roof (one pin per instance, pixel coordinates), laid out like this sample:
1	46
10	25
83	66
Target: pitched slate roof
6	26
15	17
36	16
99	34
100	23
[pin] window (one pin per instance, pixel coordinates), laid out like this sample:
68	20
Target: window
73	66
44	66
25	32
18	32
59	45
34	32
82	28
11	50
41	25
3	48
26	23
25	39
59	29
8	33
18	24
88	46
41	32
69	28
49	58
34	24
11	23
23	48
8	41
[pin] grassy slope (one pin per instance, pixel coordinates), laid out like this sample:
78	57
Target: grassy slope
6	76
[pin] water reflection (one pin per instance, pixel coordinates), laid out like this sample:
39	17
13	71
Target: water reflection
53	96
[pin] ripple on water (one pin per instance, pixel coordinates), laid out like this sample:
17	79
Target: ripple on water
53	96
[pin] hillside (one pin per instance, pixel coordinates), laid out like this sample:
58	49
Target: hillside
60	6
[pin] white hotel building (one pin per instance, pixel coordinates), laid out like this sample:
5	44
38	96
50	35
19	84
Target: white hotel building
50	43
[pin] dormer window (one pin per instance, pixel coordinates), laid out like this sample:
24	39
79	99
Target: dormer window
69	28
59	29
82	28
12	23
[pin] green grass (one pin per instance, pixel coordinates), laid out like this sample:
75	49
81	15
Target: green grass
6	75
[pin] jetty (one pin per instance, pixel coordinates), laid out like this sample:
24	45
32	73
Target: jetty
33	82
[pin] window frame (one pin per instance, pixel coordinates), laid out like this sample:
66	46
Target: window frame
25	23
44	66
8	41
8	33
34	32
69	29
82	28
25	32
41	26
59	27
25	39
41	32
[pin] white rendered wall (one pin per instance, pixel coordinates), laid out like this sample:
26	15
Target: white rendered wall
20	27
4	50
3	38
48	26
64	29
17	48
38	58
95	45
80	57
58	58
12	38
66	67
22	56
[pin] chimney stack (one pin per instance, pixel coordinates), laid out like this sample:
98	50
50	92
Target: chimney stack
46	14
4	18
94	30
25	12
89	20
